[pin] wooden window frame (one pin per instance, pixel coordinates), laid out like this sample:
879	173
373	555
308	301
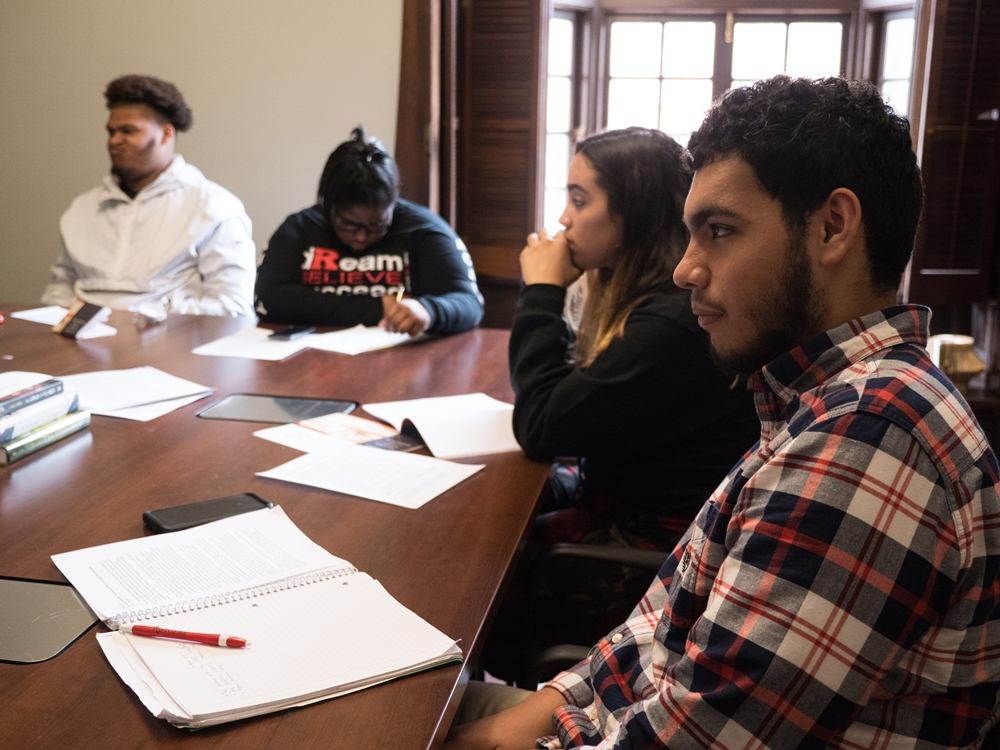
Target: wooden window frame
723	62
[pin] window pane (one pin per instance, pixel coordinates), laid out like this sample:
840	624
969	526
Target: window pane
684	105
635	49
813	49
897	95
759	50
556	160
898	53
560	105
688	49
555	204
560	47
633	102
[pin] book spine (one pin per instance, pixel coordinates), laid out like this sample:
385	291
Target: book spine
225	598
30	395
45	435
37	414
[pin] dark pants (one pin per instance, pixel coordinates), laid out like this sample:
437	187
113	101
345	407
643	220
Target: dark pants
554	601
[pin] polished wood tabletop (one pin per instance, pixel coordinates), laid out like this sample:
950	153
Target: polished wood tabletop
447	561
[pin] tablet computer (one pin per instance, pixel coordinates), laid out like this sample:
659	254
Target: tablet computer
254	407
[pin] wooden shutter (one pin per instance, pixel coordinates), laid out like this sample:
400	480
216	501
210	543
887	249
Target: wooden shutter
498	195
960	157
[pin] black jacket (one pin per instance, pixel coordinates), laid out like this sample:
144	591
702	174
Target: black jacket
309	277
656	425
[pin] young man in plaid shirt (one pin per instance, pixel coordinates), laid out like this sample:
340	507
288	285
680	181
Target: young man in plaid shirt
841	587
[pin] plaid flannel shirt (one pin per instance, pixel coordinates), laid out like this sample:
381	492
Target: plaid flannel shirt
839	589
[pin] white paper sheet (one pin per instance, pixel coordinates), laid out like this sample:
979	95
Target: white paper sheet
108	390
148	412
308	643
149	572
454	426
51	315
402	479
357	340
46	315
315	434
252	343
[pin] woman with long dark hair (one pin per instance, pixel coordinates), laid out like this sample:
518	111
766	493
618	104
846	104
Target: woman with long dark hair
642	423
633	394
364	255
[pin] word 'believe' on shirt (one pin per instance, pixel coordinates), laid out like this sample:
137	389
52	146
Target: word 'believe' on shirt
369	274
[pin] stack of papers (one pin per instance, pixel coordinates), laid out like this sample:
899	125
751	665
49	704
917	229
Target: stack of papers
317	627
394	477
52	315
254	343
451	426
454	426
140	394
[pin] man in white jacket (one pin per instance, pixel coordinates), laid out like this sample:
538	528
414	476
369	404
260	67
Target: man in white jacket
156	236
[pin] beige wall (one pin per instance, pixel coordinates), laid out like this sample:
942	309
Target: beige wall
274	85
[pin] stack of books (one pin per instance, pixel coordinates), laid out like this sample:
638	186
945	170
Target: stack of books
35	411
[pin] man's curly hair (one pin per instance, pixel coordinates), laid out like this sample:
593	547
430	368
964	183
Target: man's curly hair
806	138
161	96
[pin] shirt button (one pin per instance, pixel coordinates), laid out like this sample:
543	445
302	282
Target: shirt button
616	638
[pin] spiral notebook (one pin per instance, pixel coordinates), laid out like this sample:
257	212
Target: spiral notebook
318	627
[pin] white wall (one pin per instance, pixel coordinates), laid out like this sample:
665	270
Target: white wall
274	86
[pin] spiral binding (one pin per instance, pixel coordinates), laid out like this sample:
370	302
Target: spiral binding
229	596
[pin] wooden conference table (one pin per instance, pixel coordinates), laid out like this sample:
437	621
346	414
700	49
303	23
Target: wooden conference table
446	561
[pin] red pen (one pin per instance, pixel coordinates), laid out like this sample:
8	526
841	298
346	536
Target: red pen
209	639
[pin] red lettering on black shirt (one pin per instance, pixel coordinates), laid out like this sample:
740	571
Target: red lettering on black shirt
324	258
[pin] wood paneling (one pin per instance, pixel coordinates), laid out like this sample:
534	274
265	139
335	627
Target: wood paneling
418	118
959	156
499	195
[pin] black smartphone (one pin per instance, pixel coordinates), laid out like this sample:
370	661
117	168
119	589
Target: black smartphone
291	332
194	514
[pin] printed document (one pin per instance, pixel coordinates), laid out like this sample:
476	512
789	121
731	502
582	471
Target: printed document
160	570
316	627
454	426
394	477
105	391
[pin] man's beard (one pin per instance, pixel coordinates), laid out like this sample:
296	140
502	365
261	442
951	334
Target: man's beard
789	315
125	174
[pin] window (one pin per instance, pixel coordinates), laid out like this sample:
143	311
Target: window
660	75
665	73
801	49
559	115
896	63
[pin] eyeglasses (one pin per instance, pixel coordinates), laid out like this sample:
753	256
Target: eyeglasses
353	227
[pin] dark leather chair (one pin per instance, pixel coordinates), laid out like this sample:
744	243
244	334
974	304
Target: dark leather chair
548	659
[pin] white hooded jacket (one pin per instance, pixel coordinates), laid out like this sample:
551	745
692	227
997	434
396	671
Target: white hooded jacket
182	244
